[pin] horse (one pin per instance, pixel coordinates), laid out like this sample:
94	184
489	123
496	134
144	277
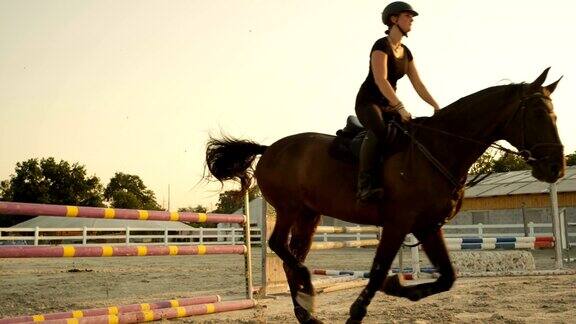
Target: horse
424	183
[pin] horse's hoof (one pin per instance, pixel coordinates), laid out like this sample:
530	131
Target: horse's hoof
353	321
305	317
306	301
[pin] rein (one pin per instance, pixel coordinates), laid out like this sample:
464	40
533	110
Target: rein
429	155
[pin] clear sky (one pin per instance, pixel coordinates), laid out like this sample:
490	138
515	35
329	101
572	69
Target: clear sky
136	86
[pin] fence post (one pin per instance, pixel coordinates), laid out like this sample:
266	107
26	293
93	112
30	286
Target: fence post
165	235
480	230
415	256
84	234
201	239
556	225
127	235
325	237
563	229
531	227
36	235
247	244
524	219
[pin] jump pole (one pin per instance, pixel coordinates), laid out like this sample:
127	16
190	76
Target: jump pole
115	251
114	310
159	314
28	209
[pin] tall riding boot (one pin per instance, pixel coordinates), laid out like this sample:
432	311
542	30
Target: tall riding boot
369	187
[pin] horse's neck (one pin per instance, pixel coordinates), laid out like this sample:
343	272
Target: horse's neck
474	119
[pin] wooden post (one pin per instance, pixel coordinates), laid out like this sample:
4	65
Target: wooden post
415	256
248	245
563	229
273	277
84	234
556	225
525	220
36	235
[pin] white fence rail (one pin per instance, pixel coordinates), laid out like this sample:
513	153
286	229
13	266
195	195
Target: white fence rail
129	236
124	236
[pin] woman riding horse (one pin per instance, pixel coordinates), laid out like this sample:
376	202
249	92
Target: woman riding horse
299	177
377	102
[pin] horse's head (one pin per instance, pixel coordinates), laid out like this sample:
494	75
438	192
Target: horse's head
532	130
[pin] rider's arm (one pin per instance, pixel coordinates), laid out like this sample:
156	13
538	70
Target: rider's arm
419	86
380	71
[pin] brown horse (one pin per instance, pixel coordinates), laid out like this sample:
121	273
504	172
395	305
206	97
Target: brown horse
299	177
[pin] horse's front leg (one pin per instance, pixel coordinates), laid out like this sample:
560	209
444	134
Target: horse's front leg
435	248
390	242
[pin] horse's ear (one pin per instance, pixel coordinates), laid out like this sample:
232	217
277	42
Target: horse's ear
535	86
552	86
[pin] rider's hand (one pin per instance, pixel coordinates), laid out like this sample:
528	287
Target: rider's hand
404	115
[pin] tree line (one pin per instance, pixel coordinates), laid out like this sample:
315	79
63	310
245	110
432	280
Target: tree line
46	181
494	162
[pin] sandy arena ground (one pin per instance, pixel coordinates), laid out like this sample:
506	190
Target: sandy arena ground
31	286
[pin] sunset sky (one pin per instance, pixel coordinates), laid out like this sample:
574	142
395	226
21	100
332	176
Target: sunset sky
137	86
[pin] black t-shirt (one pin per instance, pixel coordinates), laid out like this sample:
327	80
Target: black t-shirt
397	68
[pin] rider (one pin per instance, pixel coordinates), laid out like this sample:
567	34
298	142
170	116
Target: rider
376	101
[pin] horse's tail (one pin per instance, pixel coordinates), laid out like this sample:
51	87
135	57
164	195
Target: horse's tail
231	159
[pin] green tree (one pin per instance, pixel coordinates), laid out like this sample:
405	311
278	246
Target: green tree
129	191
484	164
231	200
491	162
47	182
197	209
571	159
510	162
5	190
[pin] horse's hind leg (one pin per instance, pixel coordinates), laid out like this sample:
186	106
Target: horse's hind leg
390	242
435	248
293	256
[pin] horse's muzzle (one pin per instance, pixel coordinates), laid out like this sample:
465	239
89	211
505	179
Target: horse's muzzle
549	168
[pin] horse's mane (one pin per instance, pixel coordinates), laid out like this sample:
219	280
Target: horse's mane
461	107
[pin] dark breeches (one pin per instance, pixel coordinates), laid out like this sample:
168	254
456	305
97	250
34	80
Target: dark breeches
372	117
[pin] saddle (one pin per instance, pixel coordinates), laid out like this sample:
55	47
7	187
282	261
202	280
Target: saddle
346	145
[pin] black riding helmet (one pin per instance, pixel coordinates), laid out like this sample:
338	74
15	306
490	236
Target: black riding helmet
396	8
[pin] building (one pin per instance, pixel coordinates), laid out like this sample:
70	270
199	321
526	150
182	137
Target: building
516	197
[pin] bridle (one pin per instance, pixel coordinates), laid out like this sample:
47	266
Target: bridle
527	153
523	152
